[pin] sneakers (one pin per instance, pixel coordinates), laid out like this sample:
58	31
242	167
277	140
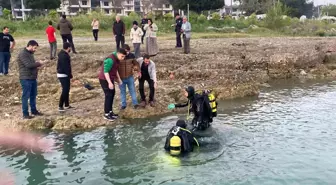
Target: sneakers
69	107
135	106
28	117
152	104
143	104
114	115
109	117
37	113
61	109
123	108
1	74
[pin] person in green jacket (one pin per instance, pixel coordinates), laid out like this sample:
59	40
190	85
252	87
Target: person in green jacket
107	75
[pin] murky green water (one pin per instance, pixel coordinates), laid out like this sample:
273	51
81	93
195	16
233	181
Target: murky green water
287	135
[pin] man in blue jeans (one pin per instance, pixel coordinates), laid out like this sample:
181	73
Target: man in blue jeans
126	69
28	69
6	44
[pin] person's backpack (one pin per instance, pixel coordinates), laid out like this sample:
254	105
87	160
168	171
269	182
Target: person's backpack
212	100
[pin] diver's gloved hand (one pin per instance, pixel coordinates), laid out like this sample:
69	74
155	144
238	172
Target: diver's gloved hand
171	106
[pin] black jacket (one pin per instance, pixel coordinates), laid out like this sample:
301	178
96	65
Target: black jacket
199	105
27	65
64	63
179	23
143	22
119	28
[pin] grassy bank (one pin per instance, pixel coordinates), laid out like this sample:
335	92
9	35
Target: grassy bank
272	25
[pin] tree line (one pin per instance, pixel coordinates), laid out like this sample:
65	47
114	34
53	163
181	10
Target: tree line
296	7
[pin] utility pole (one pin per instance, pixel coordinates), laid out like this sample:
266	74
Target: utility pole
22	9
188	12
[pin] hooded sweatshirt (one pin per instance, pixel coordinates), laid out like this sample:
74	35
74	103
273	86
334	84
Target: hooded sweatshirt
65	27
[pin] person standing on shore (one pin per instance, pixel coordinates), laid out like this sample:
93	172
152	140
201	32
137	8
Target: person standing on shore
64	75
148	73
144	21
126	69
95	29
28	68
51	34
136	34
107	75
7	43
65	28
178	25
119	32
152	47
186	30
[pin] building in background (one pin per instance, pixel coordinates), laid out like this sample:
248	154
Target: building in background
121	7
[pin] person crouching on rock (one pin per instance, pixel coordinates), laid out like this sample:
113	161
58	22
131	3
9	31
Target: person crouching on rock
199	105
148	73
64	75
180	140
107	75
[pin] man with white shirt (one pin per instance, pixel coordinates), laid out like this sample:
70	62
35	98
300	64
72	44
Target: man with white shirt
186	30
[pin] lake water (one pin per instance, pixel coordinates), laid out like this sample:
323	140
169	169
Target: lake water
286	135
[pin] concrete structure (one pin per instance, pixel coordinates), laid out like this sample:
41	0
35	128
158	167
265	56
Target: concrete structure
124	7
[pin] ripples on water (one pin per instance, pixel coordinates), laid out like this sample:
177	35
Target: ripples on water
287	135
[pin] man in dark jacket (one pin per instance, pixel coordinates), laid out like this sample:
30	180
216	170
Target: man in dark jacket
65	28
144	21
64	74
119	32
199	105
28	68
107	75
178	26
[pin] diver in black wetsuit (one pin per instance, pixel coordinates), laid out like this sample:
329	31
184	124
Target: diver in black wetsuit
199	105
180	140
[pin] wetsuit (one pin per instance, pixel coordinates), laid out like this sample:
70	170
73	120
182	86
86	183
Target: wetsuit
187	138
200	107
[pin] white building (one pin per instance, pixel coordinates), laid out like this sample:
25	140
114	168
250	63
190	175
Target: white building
125	7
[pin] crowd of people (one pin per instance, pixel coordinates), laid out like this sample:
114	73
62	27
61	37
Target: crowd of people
121	68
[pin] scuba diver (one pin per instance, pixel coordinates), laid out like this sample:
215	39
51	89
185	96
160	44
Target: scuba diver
202	104
180	140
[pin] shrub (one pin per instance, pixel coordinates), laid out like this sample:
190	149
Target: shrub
6	14
320	33
274	17
53	14
216	16
201	18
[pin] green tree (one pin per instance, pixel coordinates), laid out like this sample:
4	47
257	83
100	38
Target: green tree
43	4
197	6
5	4
297	8
329	10
255	6
274	17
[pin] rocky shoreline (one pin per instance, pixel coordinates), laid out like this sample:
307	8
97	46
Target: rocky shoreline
232	67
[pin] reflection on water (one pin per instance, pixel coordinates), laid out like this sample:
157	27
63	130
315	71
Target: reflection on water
286	135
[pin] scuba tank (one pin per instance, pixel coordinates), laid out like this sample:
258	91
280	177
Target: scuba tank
212	100
175	143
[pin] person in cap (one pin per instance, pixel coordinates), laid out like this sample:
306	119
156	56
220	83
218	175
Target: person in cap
135	35
200	105
180	140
